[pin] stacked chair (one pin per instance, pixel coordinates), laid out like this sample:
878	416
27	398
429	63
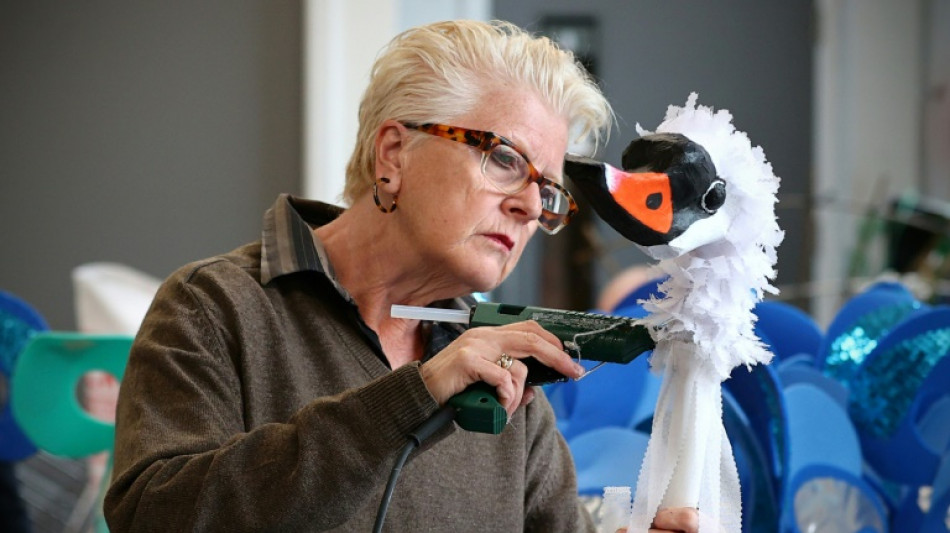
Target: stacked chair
44	396
45	369
847	430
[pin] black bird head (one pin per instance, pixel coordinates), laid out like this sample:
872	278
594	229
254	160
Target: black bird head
668	183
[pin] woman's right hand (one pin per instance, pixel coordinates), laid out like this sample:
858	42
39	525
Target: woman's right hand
673	520
474	357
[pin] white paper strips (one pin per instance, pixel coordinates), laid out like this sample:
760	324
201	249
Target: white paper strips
703	327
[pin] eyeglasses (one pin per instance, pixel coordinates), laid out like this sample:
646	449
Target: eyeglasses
508	169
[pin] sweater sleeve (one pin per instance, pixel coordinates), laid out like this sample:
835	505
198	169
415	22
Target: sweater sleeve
551	501
187	460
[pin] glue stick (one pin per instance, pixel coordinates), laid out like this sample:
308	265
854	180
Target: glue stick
615	510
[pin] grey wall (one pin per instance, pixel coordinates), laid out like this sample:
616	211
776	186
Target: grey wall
147	133
753	58
154	133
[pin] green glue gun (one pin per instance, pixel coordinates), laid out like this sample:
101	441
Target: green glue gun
586	336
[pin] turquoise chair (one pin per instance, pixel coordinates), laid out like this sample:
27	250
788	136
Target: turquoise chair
44	393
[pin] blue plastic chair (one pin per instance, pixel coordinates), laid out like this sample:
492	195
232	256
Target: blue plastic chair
18	323
561	397
609	396
642	418
933	425
607	457
822	498
825	489
819	431
758	392
899	399
787	329
801	373
912	506
799	359
937	519
643	292
760	510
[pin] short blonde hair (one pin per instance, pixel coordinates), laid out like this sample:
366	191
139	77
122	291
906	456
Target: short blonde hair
437	72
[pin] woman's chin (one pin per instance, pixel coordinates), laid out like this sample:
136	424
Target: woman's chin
483	274
483	283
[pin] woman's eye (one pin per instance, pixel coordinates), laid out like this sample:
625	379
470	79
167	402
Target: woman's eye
506	157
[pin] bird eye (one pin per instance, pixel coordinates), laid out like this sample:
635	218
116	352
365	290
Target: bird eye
714	196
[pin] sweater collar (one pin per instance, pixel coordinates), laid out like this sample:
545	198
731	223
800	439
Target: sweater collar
289	245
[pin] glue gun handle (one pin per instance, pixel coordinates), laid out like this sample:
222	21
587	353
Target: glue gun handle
478	409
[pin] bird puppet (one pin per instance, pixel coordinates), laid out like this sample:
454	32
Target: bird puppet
699	198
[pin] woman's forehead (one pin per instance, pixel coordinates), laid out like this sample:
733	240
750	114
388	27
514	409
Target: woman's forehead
525	119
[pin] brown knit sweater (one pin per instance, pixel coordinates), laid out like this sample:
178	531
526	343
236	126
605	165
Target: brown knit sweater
250	407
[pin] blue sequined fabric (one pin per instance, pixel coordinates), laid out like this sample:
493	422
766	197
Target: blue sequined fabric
849	349
14	333
886	387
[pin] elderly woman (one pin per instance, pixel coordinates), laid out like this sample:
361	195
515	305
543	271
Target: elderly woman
270	389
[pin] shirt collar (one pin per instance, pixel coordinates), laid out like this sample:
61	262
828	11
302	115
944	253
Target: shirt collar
288	243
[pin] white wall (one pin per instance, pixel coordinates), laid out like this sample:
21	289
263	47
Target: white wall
342	38
867	141
937	102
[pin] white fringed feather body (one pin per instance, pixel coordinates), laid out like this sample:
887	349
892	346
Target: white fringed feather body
703	327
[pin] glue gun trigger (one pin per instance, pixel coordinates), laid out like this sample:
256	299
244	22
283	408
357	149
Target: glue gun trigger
541	374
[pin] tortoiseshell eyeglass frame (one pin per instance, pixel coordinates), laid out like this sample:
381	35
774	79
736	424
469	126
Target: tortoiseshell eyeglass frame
486	141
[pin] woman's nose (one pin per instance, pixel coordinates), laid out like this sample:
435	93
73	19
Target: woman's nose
526	204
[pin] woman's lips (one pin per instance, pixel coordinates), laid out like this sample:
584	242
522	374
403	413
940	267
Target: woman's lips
502	239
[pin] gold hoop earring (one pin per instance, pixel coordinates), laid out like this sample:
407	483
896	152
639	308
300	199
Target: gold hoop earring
392	207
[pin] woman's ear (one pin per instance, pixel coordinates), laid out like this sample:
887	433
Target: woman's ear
390	142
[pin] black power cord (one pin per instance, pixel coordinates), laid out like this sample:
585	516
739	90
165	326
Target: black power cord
425	430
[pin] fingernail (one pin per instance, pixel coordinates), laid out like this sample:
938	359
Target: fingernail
579	370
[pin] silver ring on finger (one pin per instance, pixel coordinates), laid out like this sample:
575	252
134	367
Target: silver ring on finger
505	361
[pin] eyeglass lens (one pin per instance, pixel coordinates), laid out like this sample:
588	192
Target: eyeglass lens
508	170
553	201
